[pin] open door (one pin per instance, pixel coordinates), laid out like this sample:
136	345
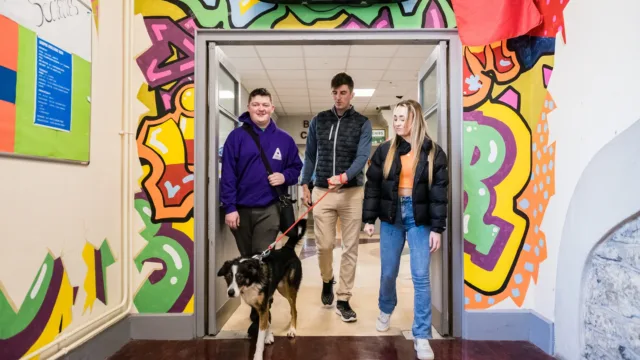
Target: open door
223	111
432	95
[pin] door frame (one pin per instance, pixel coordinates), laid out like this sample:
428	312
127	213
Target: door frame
436	64
206	39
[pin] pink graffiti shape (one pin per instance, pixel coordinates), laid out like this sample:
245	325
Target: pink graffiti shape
166	99
510	98
151	74
189	45
157	30
435	18
547	75
186	66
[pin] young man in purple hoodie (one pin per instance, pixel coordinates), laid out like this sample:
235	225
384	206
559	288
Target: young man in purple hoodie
248	194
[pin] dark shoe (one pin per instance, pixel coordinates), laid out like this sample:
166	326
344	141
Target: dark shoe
346	313
327	292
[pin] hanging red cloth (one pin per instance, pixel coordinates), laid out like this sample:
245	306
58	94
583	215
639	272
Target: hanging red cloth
482	22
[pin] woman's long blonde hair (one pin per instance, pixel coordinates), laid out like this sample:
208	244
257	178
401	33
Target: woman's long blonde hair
419	132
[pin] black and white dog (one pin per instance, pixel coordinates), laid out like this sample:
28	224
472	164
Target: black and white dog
256	281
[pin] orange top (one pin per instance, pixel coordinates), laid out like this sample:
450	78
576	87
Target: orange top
406	173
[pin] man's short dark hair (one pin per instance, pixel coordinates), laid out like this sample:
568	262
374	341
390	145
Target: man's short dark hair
260	92
342	79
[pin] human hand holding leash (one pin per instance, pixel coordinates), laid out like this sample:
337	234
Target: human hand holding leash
368	229
434	241
232	220
337	180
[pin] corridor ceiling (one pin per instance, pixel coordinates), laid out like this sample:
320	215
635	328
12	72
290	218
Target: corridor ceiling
299	76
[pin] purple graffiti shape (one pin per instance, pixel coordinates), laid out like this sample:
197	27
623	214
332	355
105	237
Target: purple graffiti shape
15	347
383	21
489	261
167	37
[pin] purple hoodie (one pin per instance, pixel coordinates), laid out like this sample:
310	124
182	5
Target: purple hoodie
244	177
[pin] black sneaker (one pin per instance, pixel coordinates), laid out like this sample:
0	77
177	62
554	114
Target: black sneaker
327	292
345	311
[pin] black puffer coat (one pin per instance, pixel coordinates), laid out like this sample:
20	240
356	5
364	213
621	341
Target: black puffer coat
381	194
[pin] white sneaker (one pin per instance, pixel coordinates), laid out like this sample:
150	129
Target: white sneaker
384	321
423	349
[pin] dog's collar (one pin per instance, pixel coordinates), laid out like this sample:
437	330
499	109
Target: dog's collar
263	255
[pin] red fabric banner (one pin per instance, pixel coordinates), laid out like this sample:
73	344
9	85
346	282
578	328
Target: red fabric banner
482	22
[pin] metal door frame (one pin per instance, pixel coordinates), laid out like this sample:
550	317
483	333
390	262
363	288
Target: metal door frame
436	63
205	167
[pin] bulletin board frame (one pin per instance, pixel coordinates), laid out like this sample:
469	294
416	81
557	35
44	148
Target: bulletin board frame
42	127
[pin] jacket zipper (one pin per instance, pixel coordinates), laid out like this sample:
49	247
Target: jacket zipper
335	137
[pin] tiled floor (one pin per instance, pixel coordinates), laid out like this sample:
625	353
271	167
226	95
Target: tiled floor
329	348
315	320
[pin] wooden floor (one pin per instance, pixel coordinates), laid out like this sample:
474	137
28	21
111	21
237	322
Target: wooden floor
316	348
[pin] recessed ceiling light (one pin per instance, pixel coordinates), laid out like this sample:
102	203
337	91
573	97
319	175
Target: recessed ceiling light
226	94
364	92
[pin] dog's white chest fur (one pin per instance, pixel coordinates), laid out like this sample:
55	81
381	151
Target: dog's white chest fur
251	295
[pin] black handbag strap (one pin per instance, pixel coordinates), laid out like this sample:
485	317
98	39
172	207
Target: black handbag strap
254	136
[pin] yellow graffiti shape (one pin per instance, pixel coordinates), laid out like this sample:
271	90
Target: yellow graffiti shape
530	85
166	140
506	191
149	8
293	22
61	315
185	227
88	254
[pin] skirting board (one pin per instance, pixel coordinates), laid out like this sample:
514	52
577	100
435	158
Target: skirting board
513	325
103	345
162	326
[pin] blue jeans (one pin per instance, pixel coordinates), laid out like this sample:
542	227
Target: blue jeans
392	237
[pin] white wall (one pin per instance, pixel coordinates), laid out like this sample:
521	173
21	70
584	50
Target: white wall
59	208
594	86
295	126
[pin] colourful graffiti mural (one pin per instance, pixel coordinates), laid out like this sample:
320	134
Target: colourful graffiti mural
509	172
165	132
504	92
44	313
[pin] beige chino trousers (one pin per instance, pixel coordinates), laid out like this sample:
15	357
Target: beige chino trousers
345	204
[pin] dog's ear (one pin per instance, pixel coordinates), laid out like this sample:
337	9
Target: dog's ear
225	268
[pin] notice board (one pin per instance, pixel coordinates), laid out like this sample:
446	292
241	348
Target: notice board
45	79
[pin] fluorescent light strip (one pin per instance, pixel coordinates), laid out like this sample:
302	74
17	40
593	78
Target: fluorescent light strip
364	92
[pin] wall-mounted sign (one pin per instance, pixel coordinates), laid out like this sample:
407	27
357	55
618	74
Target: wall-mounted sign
378	136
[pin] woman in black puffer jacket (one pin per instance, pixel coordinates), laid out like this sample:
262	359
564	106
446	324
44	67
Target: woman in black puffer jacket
406	189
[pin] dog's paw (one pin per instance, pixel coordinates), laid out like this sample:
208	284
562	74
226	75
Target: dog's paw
292	332
257	356
269	338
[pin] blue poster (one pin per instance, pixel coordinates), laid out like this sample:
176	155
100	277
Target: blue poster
53	87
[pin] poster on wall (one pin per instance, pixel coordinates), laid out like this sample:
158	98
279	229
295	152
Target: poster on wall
378	136
45	79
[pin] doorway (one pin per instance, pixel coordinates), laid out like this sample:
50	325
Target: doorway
218	101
